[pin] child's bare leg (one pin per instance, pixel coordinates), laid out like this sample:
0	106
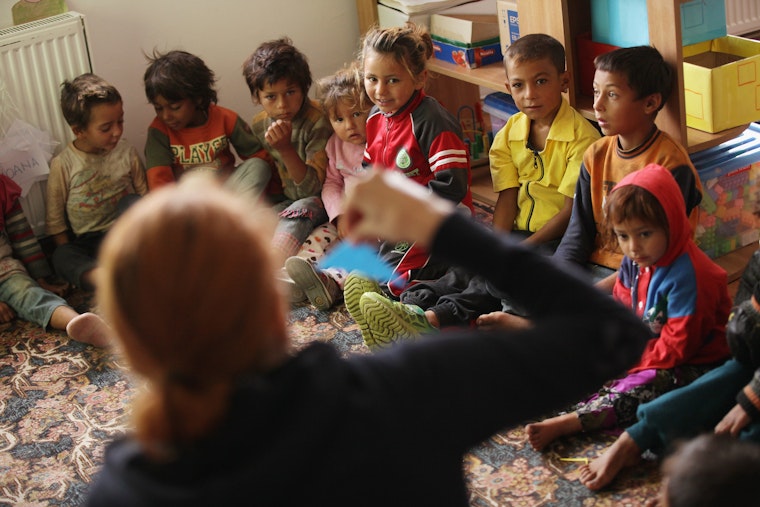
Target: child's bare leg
543	433
86	328
600	472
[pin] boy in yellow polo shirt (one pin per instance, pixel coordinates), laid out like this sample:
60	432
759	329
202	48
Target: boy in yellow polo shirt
535	161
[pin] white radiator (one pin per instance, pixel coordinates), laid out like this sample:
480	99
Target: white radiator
35	58
742	16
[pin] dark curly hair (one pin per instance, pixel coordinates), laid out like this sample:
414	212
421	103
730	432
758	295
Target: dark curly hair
273	61
179	75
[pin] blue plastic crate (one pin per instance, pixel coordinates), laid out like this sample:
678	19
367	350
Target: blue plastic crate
499	106
624	23
730	176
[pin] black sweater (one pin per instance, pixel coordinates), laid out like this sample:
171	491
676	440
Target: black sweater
391	428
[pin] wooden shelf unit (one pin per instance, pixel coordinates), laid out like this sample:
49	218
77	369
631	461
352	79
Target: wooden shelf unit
564	20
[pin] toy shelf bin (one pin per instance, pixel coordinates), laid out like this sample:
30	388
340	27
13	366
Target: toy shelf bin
624	23
499	106
730	176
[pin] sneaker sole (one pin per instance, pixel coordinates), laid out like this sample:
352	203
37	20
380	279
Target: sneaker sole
304	276
384	325
353	289
293	291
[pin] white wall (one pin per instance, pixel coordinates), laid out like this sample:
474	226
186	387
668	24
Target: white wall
222	32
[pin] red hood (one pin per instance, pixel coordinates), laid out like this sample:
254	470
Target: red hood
660	183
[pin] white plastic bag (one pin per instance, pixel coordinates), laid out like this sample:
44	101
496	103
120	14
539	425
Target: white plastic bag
25	153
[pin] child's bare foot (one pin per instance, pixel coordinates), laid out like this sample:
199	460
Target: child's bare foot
502	320
543	433
624	452
89	328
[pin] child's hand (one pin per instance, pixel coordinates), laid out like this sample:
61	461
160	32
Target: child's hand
59	289
733	422
278	134
341	223
502	320
6	313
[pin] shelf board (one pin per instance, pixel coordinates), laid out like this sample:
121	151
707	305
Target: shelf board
699	140
696	139
490	76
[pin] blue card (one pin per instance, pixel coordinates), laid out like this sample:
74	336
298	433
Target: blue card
356	257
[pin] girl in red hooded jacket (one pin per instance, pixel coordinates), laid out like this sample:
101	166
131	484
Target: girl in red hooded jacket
669	283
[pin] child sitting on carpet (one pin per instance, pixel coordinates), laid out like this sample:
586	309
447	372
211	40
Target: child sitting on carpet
192	132
345	102
631	85
24	289
668	282
232	413
294	131
724	400
409	132
92	180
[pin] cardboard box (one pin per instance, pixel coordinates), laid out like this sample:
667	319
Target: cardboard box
392	13
625	22
509	27
388	17
730	176
586	51
722	83
469	56
465	28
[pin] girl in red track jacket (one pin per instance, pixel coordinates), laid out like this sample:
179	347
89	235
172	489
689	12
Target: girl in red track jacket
410	132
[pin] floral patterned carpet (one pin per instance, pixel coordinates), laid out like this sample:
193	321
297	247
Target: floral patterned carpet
61	402
505	470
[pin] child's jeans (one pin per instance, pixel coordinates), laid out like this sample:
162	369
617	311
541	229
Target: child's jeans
73	259
30	301
297	220
685	412
250	178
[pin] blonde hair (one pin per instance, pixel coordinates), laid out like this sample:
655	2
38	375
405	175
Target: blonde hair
187	282
346	85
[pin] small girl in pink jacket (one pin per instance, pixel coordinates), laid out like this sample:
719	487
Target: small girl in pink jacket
347	105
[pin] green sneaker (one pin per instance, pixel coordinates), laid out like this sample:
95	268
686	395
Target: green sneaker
390	321
355	286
